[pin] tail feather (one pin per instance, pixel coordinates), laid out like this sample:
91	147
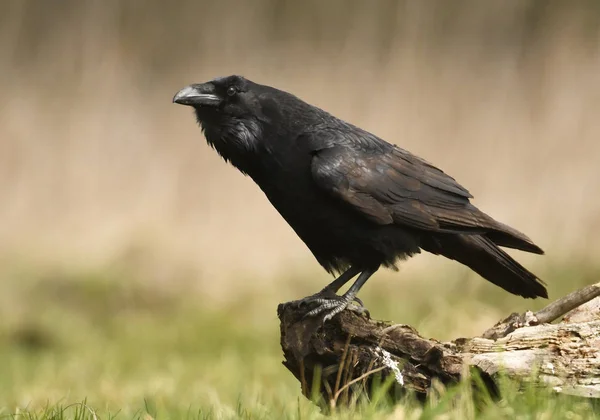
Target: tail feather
483	256
504	235
472	221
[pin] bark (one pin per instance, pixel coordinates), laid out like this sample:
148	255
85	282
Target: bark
339	362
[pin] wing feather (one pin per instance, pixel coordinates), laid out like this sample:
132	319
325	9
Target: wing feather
391	188
389	185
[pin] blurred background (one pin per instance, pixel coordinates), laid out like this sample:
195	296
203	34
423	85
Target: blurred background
116	215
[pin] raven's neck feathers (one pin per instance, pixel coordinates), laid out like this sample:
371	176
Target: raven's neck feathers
234	139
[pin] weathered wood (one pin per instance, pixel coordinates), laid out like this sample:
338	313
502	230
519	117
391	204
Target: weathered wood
351	352
549	314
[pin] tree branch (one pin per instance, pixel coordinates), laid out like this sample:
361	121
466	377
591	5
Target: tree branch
568	303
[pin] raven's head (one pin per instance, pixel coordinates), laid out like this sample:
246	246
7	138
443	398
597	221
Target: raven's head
231	96
240	118
230	112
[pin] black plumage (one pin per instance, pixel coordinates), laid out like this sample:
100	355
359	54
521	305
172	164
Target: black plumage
357	201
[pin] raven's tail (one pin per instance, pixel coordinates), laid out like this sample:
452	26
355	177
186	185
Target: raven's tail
485	258
504	235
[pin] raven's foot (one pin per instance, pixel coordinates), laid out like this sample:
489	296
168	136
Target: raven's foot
332	304
323	295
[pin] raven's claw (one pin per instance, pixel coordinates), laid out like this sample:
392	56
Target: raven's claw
322	296
332	304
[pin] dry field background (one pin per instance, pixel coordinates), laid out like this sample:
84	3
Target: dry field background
505	96
100	171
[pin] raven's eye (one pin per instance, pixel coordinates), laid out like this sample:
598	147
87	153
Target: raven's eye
231	90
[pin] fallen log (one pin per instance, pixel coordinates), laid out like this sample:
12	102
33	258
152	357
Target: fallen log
341	361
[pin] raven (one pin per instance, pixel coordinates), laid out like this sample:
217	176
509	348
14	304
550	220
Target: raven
357	201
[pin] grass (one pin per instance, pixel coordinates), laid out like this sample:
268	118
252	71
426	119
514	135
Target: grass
101	345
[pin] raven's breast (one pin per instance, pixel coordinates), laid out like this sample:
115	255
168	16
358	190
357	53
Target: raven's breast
336	234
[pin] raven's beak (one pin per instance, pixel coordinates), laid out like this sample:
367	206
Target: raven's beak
197	95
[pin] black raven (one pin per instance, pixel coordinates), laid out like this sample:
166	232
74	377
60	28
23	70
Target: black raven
357	201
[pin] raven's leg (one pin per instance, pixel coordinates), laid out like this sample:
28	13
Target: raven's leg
338	283
335	305
332	288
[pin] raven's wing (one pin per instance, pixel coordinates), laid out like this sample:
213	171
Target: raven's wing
389	185
393	187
